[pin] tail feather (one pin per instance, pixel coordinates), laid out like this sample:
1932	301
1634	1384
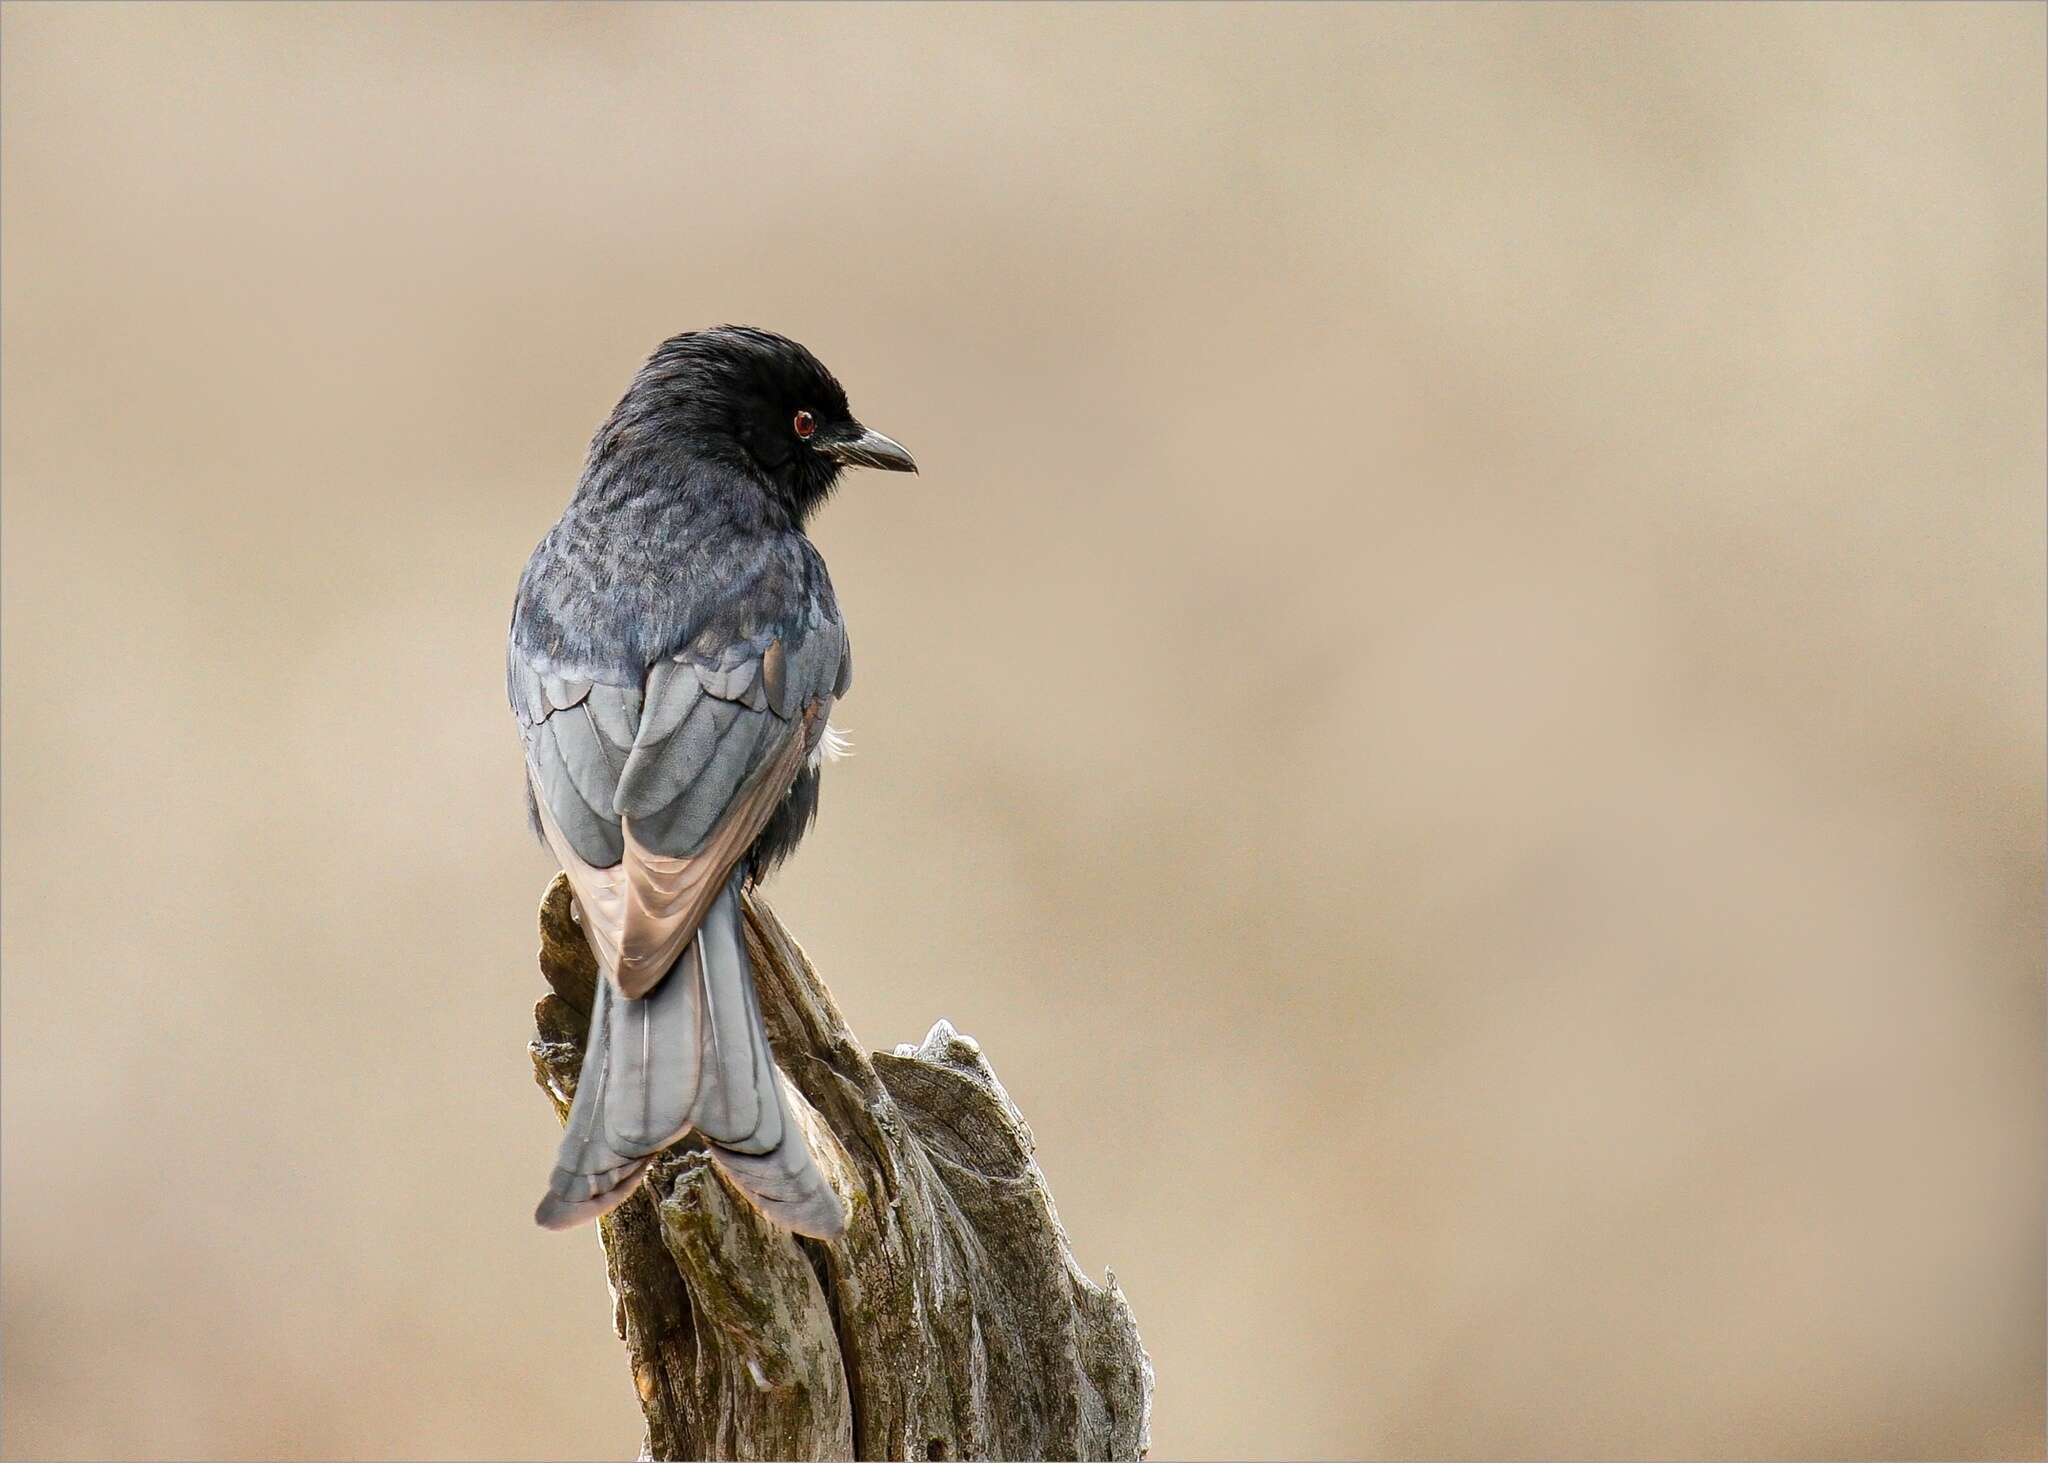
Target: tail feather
556	1212
591	1175
738	1107
692	1053
783	1178
658	1061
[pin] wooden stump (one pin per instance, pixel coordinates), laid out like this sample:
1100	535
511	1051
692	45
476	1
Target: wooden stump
951	1320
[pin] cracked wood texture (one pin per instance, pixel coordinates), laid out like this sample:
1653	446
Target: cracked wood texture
950	1321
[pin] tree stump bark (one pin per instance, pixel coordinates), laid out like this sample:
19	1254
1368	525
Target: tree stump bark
950	1321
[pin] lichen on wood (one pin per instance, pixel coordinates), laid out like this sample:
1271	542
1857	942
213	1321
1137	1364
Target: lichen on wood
950	1321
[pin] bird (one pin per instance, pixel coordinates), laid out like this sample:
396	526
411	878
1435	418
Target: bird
675	653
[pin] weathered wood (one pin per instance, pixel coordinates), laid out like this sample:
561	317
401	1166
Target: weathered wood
951	1320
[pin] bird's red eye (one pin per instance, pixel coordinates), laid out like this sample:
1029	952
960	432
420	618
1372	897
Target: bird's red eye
805	424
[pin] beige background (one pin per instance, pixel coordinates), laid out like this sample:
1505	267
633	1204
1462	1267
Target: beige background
1459	703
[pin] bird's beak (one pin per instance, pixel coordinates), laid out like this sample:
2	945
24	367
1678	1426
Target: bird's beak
869	449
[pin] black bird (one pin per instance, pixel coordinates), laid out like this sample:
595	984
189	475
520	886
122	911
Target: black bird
675	653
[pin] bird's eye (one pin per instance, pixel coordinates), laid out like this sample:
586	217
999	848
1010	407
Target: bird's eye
805	424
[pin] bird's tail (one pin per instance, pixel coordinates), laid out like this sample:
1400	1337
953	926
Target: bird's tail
692	1053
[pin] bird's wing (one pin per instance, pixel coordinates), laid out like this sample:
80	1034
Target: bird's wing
649	795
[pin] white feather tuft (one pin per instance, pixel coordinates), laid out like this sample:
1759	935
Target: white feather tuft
832	746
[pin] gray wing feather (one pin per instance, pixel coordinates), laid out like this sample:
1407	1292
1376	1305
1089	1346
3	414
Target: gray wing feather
670	755
658	773
673	690
732	681
616	712
703	788
529	703
592	762
562	692
594	834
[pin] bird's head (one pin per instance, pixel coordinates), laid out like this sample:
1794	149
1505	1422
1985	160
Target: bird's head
755	403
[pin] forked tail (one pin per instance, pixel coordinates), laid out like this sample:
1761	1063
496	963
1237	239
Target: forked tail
692	1053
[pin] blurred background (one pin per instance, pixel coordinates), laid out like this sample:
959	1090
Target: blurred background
1458	705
